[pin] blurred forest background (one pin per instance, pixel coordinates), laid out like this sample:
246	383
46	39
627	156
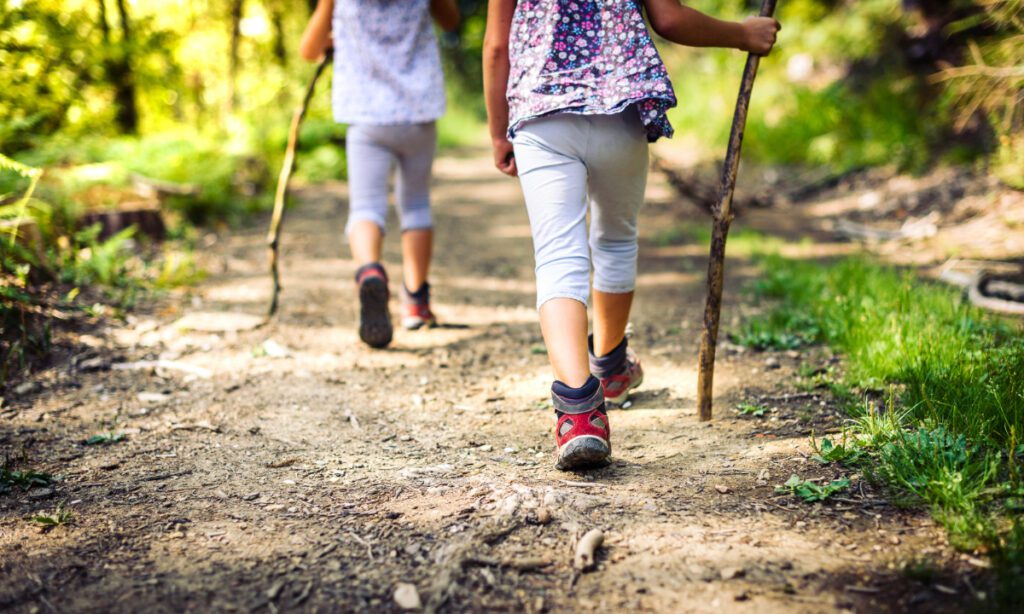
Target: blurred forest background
183	105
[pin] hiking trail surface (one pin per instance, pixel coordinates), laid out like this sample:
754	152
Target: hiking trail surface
289	467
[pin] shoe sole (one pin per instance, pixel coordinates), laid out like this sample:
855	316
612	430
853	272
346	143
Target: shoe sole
622	398
374	320
417	323
584	452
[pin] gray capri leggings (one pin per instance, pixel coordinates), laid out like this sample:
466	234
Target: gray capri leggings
372	151
567	162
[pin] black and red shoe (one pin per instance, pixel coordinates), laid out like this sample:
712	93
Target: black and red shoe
582	431
416	313
374	318
619	372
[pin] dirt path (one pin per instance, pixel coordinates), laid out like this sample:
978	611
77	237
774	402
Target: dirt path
291	468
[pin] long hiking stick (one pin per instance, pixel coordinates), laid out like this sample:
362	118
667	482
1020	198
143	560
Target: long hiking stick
722	218
281	194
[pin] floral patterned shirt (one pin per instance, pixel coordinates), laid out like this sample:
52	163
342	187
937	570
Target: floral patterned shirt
592	57
387	66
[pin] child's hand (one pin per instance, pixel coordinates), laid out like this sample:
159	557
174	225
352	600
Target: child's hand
759	34
504	157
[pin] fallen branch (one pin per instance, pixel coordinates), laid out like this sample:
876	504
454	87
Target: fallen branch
704	196
519	564
920	228
586	549
978	293
169	365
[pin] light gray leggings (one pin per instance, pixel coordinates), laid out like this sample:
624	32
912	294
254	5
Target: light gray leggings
564	161
372	151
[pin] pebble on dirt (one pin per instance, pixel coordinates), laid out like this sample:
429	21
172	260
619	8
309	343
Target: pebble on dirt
407	597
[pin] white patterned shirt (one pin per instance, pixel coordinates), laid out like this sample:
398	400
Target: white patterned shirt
387	66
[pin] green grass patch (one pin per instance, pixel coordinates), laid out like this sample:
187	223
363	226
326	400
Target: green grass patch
103	439
751	409
23	479
810	491
936	388
46	522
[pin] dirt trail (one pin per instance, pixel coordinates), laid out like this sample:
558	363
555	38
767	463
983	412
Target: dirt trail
294	469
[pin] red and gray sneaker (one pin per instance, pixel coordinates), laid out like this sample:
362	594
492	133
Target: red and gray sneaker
416	311
582	431
619	372
374	319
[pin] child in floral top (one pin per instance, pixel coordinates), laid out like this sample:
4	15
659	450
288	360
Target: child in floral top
575	91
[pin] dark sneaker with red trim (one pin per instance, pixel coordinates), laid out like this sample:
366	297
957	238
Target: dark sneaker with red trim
416	311
619	372
374	319
582	430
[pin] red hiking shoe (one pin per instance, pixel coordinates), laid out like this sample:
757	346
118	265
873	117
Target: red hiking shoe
416	311
374	319
617	386
619	372
582	430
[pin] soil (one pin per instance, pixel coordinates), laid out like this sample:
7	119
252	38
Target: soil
289	467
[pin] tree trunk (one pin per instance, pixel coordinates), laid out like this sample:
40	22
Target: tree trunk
104	26
276	13
235	16
121	73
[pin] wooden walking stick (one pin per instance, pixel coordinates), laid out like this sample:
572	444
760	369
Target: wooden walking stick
722	218
280	196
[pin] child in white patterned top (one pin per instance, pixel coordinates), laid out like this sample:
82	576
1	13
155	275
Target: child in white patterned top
389	87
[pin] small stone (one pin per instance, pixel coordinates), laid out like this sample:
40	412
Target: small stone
251	496
94	364
543	516
153	397
274	507
772	363
407	597
721	488
41	493
728	573
25	388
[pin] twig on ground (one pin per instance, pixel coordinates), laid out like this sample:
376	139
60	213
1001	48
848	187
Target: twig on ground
586	549
165	476
170	365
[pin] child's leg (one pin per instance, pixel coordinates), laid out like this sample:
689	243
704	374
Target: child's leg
611	315
417	249
415	161
617	158
554	182
369	165
563	322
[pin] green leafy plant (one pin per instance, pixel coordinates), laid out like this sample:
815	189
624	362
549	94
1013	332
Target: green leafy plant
810	491
60	516
24	479
826	451
104	439
751	409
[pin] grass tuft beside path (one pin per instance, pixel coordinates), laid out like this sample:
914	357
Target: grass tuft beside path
936	389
